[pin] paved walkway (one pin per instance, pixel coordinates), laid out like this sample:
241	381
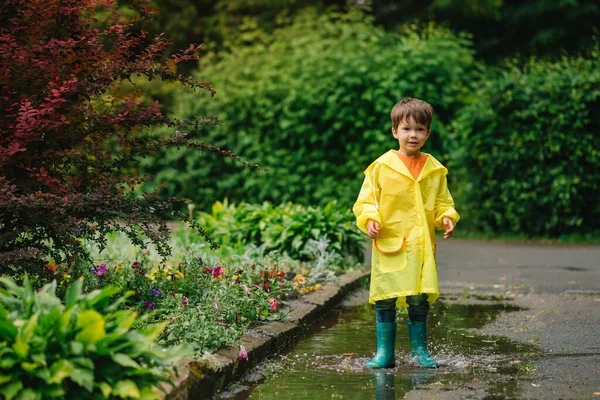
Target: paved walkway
545	268
559	286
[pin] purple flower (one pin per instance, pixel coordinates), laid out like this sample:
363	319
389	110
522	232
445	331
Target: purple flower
243	355
149	305
155	291
101	269
185	302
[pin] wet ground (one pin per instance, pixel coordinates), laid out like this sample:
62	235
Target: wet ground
329	362
558	289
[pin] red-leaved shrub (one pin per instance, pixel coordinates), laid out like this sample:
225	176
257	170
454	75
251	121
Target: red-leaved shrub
68	132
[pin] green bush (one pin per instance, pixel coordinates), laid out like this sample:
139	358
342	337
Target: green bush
527	150
311	103
287	228
80	348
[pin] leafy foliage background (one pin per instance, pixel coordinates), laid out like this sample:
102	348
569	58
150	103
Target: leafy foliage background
311	103
527	152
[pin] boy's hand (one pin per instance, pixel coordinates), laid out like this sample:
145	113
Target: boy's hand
373	229
449	225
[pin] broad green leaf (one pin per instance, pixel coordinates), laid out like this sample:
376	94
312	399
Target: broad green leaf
170	355
153	331
28	394
60	370
21	345
97	298
7	330
54	391
29	366
92	323
121	300
126	389
76	348
149	393
42	373
83	362
105	388
125	320
73	293
12	287
125	361
64	323
4	379
84	378
39	358
8	359
10	390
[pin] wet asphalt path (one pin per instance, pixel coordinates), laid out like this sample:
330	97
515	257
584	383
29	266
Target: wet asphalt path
544	268
560	287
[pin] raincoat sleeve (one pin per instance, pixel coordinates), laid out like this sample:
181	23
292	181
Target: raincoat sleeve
444	205
365	207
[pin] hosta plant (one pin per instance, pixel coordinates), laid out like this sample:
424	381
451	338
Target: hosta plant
79	347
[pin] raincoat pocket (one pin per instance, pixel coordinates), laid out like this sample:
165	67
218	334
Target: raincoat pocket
390	254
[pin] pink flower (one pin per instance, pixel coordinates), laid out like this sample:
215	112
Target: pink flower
218	271
185	302
274	304
243	353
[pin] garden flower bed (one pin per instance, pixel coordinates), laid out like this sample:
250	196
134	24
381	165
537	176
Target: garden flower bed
199	301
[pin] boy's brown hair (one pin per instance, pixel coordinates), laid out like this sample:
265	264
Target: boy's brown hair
407	108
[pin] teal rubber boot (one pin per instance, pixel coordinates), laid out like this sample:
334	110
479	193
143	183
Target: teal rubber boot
386	340
417	332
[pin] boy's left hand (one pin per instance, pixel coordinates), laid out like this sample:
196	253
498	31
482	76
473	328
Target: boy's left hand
449	225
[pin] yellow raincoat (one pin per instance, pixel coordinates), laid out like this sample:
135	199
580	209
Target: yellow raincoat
408	212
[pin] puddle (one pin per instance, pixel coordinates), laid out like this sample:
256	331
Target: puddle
329	362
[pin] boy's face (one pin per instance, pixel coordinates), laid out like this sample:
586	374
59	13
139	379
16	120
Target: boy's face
411	136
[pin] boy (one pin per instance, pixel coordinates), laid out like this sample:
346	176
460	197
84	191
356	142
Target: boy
403	199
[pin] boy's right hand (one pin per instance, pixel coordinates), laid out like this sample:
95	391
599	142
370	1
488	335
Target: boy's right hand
372	229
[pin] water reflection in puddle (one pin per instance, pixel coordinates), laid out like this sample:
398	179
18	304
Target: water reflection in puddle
329	362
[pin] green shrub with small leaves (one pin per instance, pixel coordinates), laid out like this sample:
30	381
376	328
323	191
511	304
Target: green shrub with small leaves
82	347
527	154
311	103
286	228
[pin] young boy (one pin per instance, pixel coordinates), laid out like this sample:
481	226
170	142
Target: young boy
403	199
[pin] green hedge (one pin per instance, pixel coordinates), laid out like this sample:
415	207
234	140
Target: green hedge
311	103
527	150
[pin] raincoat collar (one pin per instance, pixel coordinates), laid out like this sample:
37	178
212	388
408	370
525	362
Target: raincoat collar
391	160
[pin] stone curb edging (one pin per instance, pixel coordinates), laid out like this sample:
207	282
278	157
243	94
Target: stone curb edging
204	378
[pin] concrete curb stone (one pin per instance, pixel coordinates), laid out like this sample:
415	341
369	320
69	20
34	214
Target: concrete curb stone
204	378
